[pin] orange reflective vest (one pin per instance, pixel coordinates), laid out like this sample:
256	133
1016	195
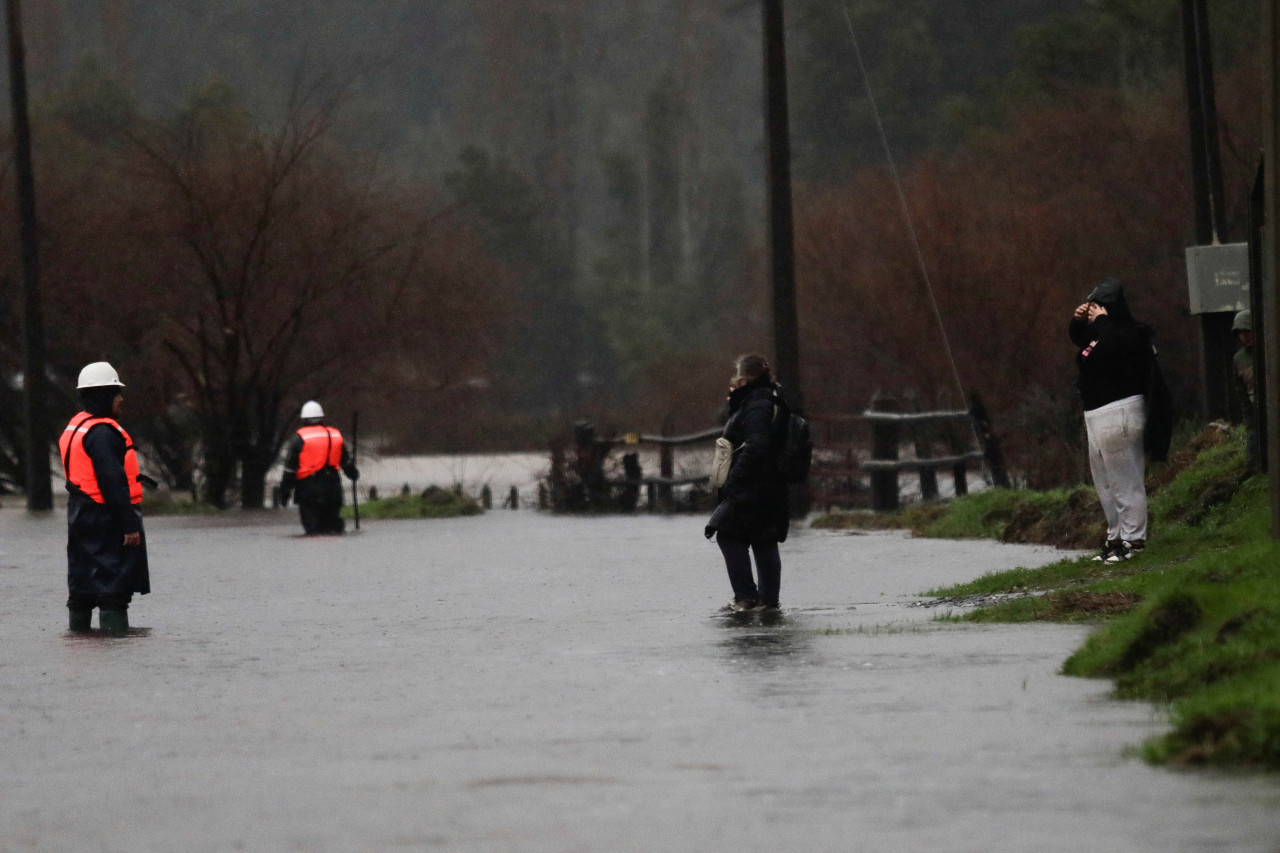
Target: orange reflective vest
77	466
321	448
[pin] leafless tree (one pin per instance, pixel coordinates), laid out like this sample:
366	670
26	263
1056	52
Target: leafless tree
279	273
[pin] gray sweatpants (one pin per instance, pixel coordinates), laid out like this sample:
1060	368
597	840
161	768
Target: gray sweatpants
1116	462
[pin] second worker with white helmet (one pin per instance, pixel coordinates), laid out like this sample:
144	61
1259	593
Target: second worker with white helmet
311	464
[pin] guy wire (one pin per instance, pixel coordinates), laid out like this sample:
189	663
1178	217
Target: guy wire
902	201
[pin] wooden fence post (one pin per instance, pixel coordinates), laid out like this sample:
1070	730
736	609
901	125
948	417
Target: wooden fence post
922	437
990	444
666	463
960	470
885	437
629	497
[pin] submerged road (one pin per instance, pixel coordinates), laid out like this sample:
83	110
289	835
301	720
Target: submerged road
523	682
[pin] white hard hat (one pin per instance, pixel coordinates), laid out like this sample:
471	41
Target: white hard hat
1243	321
311	409
98	375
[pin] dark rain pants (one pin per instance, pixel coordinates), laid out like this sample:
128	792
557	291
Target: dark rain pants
319	499
321	518
118	602
738	562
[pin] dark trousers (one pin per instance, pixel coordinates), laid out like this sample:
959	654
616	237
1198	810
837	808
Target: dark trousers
86	603
319	499
738	562
321	518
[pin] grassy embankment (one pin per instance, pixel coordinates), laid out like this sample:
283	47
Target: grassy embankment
1193	622
432	503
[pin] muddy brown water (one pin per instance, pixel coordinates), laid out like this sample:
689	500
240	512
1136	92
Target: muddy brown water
519	681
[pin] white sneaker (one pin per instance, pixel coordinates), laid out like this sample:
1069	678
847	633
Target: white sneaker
1108	548
1127	551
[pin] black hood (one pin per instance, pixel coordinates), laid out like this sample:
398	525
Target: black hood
1110	295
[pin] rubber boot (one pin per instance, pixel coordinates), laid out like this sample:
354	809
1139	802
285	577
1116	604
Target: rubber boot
80	620
114	622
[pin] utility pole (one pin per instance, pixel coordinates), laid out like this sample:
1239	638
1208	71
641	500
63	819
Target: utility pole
1271	251
1210	204
786	332
35	382
782	252
1257	305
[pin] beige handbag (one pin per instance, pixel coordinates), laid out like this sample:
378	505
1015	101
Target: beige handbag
721	461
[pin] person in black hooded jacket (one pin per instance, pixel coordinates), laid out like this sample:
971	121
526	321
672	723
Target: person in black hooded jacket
1114	360
753	514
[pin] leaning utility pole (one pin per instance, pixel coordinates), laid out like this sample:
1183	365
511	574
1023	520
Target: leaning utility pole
35	382
786	332
1271	250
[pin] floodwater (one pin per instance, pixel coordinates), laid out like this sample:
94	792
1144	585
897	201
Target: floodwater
501	471
523	682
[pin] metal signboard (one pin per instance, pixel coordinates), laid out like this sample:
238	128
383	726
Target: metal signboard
1218	277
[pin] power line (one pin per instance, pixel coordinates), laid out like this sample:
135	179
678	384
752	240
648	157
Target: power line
902	201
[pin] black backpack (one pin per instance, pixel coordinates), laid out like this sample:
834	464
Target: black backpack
795	444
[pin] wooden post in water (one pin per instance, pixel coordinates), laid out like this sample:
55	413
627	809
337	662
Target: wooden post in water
355	449
667	467
885	437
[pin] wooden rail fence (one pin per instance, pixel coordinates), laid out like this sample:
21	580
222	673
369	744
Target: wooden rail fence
579	483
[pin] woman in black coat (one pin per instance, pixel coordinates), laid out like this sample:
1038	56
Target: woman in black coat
753	514
1114	358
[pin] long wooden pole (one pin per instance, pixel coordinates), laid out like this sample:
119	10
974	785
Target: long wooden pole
786	332
782	251
35	383
1257	234
1271	246
1207	187
355	450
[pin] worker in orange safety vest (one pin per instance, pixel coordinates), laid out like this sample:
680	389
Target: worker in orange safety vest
310	474
106	545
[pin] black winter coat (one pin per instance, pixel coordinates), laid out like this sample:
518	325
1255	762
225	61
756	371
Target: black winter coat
1114	359
754	505
98	562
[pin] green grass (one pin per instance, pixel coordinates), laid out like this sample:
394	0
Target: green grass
1004	514
1207	640
433	503
1193	622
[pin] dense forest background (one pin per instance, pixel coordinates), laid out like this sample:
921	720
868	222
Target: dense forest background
479	220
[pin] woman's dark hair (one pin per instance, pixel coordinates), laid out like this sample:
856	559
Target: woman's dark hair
754	367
